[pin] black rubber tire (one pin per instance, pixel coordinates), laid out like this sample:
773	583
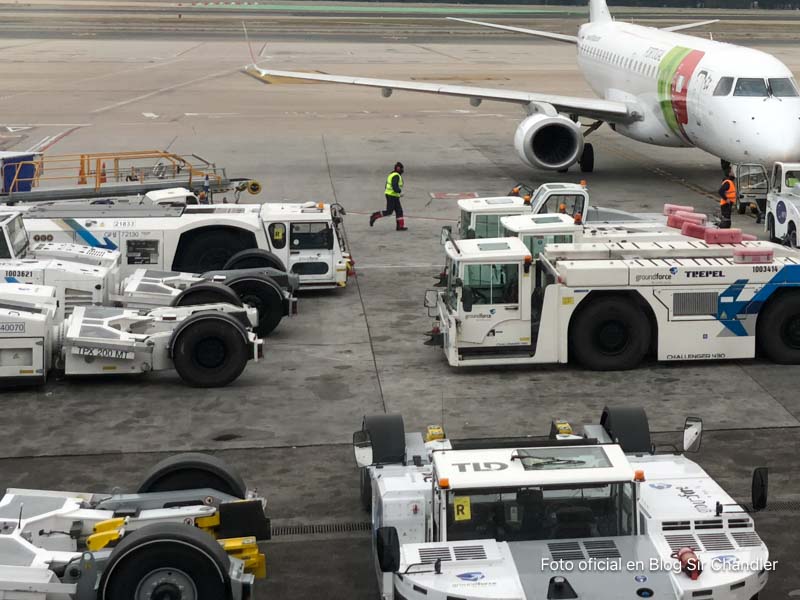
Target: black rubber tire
778	331
206	292
791	236
262	293
771	229
365	490
190	553
388	435
587	159
208	251
209	351
610	333
254	258
387	549
193	471
628	426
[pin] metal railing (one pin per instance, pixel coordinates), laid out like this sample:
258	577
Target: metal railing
98	169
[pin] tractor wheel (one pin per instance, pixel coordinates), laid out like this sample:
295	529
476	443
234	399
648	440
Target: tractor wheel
365	490
166	561
206	292
208	251
587	159
254	258
388	436
193	471
791	236
264	294
778	332
771	229
209	350
610	334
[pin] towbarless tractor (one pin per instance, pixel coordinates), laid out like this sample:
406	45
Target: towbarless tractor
608	305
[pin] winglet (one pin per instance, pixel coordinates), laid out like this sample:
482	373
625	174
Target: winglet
249	45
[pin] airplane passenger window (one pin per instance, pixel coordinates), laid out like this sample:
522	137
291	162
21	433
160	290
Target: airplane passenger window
751	87
782	88
724	86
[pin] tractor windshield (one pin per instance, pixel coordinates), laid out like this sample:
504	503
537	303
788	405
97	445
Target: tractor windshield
541	513
17	236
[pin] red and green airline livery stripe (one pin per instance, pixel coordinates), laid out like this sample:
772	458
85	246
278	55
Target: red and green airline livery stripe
674	74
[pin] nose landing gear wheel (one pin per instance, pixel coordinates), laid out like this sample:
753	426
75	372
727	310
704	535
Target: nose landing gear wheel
166	561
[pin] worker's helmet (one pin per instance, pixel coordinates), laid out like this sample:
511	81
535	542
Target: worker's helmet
398	166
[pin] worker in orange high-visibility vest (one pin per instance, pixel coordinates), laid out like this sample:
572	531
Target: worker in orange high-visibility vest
727	200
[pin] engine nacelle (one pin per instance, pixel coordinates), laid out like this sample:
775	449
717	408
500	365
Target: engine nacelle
549	142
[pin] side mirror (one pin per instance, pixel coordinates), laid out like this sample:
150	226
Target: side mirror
362	448
447	233
466	298
431	298
760	488
692	434
387	546
470	234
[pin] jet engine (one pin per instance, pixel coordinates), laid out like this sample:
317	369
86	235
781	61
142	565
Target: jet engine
549	142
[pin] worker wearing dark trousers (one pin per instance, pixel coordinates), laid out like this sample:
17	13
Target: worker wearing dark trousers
727	200
394	189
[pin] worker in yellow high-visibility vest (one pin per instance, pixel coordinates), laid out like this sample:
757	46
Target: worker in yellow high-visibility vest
393	192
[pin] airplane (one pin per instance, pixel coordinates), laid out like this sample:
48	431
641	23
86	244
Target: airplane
656	86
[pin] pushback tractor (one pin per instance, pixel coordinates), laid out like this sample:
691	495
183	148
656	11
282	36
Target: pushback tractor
306	239
190	531
597	514
608	305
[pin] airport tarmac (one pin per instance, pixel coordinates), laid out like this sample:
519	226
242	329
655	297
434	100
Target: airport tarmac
287	421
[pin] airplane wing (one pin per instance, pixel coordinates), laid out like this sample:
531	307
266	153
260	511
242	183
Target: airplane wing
614	112
690	25
545	34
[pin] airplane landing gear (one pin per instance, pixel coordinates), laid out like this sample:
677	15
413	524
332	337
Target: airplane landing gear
726	166
586	160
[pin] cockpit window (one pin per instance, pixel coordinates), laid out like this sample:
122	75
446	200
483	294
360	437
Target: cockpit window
724	86
751	87
783	87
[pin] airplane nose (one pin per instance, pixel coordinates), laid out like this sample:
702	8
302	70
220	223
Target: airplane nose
773	135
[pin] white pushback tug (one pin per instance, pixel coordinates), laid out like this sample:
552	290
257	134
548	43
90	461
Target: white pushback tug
704	294
595	515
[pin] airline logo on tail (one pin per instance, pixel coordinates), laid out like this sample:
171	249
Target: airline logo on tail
674	75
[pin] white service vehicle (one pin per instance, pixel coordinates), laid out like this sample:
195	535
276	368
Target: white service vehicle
480	217
597	515
783	204
608	305
189	532
207	344
305	239
86	276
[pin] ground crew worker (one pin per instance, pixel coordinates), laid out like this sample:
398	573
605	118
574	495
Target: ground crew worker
393	192
727	199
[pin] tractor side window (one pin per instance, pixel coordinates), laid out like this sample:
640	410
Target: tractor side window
277	235
536	243
567	204
493	284
488	226
311	236
17	235
724	86
4	251
464	224
751	87
792	178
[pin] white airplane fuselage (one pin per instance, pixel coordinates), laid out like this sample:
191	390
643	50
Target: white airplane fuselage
673	79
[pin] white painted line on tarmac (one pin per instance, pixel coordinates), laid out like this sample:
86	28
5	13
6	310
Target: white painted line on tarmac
163	90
